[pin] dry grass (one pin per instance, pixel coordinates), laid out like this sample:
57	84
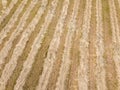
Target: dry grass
74	63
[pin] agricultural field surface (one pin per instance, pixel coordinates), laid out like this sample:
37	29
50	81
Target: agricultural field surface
59	44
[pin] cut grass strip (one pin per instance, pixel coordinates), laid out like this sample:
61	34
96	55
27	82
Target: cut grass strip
51	55
116	42
117	11
19	29
30	17
92	50
100	60
56	66
7	13
12	21
9	67
83	48
36	70
72	77
24	55
108	47
65	65
34	49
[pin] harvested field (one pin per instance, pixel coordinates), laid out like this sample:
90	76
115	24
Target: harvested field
59	44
